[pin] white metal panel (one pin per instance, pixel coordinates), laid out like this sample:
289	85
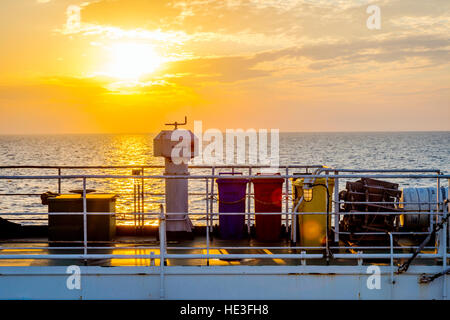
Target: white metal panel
227	282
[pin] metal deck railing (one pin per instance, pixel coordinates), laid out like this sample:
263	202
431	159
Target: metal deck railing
437	251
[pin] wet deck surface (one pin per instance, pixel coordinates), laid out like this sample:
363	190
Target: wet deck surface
128	245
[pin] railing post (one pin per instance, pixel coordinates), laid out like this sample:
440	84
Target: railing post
134	204
359	259
84	220
162	248
443	235
336	208
249	191
294	215
59	181
142	203
211	204
152	259
439	218
207	221
391	242
327	245
444	260
287	200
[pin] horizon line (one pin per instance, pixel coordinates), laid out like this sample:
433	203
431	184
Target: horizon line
148	133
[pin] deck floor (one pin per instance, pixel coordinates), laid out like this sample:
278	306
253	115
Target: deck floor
126	245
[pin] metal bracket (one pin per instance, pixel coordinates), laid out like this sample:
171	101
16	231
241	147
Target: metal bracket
360	260
303	260
152	259
176	124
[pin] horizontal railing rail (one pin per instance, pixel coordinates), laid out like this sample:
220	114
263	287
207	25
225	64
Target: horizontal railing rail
438	212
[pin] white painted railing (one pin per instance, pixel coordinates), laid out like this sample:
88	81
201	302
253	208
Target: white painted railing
439	251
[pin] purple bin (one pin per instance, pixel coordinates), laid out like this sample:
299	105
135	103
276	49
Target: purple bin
231	200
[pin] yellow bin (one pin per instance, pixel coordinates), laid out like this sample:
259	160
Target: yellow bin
312	227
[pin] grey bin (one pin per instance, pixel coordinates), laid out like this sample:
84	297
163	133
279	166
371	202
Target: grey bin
70	227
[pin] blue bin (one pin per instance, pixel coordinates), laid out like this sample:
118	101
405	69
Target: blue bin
232	194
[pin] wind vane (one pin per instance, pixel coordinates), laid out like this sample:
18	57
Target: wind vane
176	124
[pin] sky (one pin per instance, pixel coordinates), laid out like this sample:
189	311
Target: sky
129	66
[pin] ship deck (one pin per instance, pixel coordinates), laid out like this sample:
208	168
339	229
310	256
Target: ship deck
153	265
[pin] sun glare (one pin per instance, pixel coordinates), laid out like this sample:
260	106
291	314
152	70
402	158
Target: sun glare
129	61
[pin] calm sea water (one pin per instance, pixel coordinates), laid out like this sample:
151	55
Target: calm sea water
408	150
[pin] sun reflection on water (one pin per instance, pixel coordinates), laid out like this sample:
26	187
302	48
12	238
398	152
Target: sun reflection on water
135	150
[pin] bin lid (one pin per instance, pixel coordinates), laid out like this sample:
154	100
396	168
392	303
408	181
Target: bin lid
299	182
267	180
231	180
228	180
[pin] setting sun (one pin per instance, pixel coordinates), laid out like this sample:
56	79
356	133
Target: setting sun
132	60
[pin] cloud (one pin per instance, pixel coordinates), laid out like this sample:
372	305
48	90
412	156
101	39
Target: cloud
232	41
426	23
52	89
232	55
321	57
131	13
204	27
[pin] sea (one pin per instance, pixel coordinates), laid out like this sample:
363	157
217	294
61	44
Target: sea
350	150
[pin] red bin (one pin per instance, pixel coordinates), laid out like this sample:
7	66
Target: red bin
268	193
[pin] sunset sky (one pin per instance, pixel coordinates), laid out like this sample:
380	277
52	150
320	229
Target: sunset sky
296	65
